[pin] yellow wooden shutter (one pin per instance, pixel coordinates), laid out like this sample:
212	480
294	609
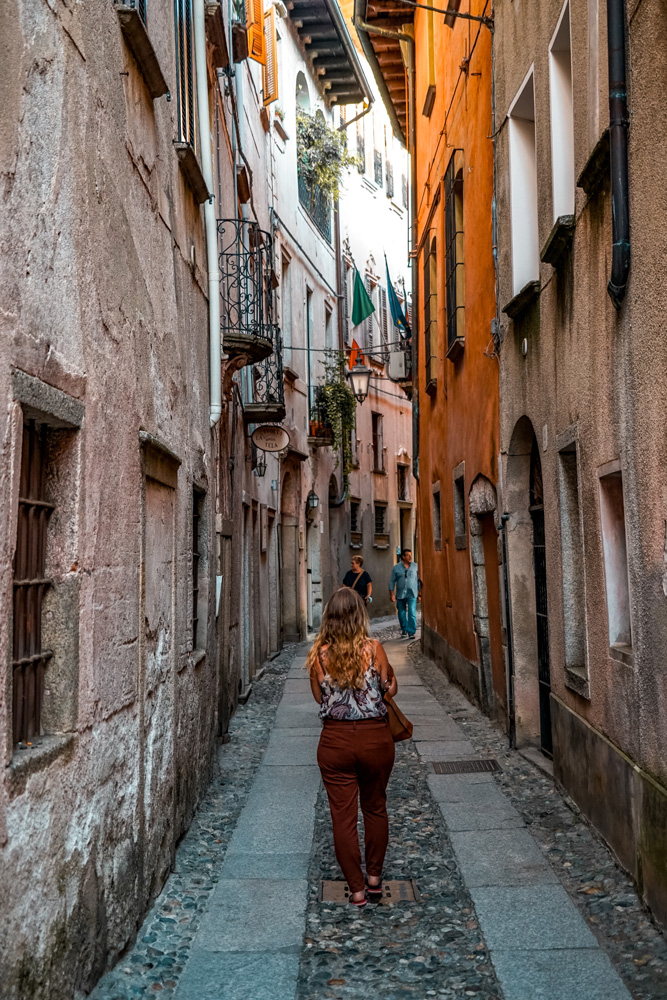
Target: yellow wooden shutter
270	71
254	22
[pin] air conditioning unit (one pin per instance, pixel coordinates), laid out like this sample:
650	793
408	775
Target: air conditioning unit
397	370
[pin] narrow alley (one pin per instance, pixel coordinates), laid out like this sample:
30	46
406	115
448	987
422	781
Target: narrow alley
516	897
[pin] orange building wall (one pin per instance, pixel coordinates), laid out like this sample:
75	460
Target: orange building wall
460	422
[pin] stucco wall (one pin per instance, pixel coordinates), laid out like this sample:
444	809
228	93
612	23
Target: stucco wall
103	299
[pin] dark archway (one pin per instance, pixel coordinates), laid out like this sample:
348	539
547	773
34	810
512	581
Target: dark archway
524	502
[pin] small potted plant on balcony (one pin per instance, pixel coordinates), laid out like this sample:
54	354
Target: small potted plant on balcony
334	411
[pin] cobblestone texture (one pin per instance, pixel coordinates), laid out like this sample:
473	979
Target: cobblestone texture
155	962
603	892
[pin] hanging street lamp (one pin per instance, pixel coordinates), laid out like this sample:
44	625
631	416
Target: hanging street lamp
359	378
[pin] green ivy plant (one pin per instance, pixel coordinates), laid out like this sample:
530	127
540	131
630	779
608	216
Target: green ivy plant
339	409
322	153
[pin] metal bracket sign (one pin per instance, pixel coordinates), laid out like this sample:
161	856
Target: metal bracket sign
270	437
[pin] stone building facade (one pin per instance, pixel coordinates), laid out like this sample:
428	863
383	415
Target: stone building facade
107	483
583	394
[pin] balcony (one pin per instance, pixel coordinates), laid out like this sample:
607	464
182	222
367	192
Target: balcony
268	392
321	431
246	290
317	206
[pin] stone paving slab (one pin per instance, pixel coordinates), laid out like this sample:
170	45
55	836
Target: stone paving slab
297	716
502	858
435	732
277	815
239	976
569	974
260	915
446	750
530	918
478	787
294	750
460	816
274	865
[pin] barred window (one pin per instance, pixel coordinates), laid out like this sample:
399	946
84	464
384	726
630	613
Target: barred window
403	482
380	519
430	272
29	660
390	179
377	166
197	501
378	450
185	72
354	515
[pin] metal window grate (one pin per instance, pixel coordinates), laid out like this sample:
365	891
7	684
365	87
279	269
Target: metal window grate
30	584
377	167
317	205
380	519
197	498
403	482
466	766
393	891
354	515
185	72
141	7
454	267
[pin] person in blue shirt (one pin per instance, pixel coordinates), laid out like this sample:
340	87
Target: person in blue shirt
405	591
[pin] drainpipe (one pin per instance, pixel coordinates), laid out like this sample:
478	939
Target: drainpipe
511	705
618	143
409	42
214	331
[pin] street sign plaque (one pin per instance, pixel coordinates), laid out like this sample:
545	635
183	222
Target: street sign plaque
270	437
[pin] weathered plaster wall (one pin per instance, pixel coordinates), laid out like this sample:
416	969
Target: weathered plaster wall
101	301
602	375
459	417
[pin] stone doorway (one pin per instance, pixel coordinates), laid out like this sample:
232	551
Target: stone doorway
483	506
526	558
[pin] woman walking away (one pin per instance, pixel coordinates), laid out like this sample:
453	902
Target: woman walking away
349	672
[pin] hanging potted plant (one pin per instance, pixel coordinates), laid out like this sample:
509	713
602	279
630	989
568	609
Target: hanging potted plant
322	153
336	410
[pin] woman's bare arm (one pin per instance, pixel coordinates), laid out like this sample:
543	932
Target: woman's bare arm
316	679
386	671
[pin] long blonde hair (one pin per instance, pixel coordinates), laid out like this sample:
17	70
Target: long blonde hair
344	631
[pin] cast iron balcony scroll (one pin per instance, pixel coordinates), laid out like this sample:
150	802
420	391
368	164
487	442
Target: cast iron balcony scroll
246	290
268	402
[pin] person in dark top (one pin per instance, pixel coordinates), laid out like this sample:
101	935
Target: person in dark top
358	579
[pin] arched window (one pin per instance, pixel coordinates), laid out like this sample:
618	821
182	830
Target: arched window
302	93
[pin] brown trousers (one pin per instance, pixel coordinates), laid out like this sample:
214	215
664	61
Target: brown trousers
356	759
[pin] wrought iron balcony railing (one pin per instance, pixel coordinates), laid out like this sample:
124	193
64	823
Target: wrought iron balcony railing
268	390
318	206
321	430
246	289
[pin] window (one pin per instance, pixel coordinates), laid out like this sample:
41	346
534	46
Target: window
380	519
378	450
361	145
454	266
309	334
390	179
185	73
29	659
562	118
523	188
356	535
141	7
429	99
404	190
270	68
286	308
384	319
370	284
460	530
403	482
328	330
197	502
614	546
377	167
572	560
346	294
436	517
430	273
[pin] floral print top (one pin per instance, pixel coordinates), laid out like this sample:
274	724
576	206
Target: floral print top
353	704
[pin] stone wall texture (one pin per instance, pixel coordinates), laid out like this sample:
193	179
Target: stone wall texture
104	317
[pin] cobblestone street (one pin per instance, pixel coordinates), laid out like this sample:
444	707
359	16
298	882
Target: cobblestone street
517	897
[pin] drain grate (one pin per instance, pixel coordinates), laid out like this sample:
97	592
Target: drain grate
465	766
393	891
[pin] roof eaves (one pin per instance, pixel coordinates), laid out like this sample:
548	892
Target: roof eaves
366	44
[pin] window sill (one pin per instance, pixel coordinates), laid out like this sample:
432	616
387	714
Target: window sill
522	299
139	44
278	126
559	240
455	349
461	542
381	541
189	164
379	472
44	752
596	168
622	653
576	679
405	504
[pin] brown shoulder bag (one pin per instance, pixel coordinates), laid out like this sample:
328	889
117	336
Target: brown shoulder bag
399	726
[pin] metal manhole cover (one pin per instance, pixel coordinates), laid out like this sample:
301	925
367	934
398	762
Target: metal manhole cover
465	766
393	891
